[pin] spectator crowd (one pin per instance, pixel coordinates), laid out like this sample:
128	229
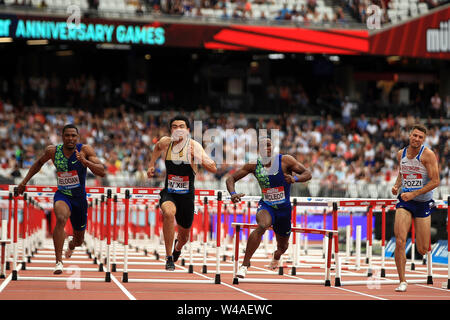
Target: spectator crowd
338	151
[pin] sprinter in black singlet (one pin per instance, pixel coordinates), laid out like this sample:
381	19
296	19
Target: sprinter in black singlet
182	154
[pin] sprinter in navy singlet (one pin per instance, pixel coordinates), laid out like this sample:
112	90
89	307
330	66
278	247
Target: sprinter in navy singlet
182	157
275	174
71	160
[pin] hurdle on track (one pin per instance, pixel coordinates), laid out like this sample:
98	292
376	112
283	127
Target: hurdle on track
327	281
206	198
40	191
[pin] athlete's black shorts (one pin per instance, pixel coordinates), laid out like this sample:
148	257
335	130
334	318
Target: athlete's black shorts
184	204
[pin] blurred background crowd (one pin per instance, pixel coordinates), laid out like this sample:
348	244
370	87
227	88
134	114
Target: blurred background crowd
350	155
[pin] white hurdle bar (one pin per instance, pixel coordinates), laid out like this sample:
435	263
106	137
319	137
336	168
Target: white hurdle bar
128	192
383	203
371	203
40	191
327	281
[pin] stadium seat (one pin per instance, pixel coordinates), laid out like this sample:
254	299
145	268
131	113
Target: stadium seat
413	10
444	192
362	189
404	5
314	188
352	192
392	15
402	14
383	190
423	7
58	4
372	190
207	12
393	4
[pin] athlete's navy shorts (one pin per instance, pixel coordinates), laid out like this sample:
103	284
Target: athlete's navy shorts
281	218
78	209
418	209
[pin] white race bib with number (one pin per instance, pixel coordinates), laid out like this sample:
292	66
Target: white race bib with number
177	184
412	181
274	196
68	180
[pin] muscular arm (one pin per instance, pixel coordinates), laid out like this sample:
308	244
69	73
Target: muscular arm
91	161
430	162
36	167
160	147
293	165
201	157
398	182
236	176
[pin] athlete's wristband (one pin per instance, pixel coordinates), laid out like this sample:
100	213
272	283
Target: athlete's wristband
232	193
296	179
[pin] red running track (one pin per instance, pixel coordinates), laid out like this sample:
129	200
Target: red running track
118	290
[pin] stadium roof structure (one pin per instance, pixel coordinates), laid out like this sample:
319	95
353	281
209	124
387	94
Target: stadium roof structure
425	36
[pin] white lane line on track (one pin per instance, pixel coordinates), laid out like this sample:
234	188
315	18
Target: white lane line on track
361	293
429	287
8	279
121	287
227	285
356	292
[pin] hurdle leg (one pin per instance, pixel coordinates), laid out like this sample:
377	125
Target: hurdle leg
205	248
236	253
125	236
429	266
413	245
3	241
218	234
3	261
383	241
347	242
358	247
191	257
266	242
329	237
337	261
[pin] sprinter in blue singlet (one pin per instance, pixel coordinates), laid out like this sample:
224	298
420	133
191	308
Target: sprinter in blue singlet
275	174
71	160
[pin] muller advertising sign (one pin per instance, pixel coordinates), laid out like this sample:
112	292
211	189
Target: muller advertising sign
427	36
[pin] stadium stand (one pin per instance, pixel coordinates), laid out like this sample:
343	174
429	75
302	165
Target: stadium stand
356	157
314	12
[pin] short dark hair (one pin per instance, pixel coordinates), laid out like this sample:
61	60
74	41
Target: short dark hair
69	126
419	127
180	118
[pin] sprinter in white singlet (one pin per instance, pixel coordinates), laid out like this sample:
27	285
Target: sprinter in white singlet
418	176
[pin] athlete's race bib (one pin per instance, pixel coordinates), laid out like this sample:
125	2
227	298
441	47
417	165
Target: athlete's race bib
68	180
412	181
177	184
274	196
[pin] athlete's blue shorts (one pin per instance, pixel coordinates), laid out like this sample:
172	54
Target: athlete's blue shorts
78	209
418	209
281	218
